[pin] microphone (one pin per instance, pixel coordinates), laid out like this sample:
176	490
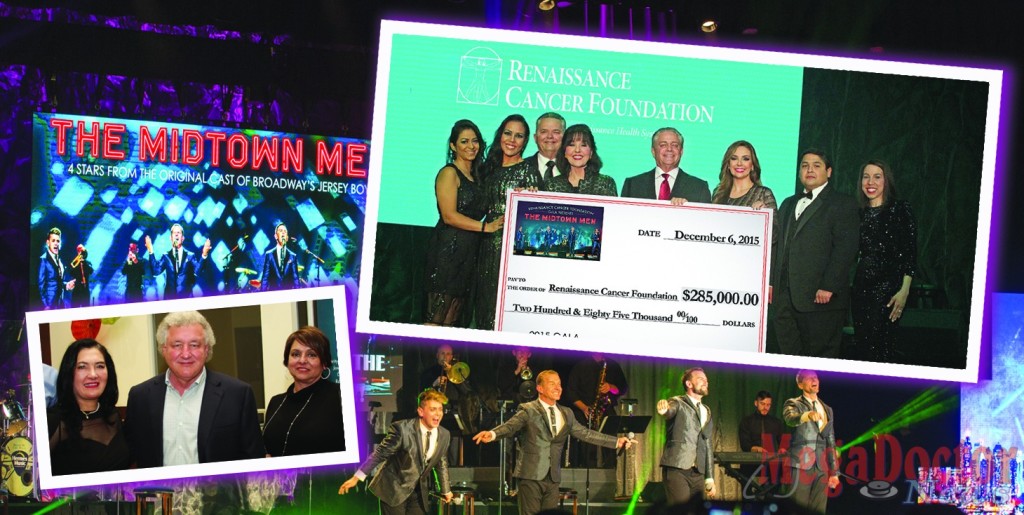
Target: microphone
629	436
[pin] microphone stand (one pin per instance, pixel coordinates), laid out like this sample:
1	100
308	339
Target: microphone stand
502	453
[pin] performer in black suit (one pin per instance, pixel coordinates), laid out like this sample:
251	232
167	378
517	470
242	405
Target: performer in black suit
53	275
811	262
541	428
687	464
666	181
410	450
592	399
280	265
182	266
813	438
226	428
133	271
547	134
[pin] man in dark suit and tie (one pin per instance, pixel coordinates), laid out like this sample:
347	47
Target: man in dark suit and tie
687	464
811	262
666	181
410	450
542	428
215	414
547	134
814	441
280	265
53	275
183	267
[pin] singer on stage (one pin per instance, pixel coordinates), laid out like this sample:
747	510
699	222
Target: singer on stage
813	438
280	265
687	464
182	267
541	428
411	449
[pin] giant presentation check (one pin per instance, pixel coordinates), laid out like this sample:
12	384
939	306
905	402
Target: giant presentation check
579	266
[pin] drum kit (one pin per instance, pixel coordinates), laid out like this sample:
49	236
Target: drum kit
17	470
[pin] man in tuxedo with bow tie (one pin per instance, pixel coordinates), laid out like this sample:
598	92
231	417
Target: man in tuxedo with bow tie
280	265
410	450
813	447
182	267
812	260
547	134
54	284
542	428
687	464
667	181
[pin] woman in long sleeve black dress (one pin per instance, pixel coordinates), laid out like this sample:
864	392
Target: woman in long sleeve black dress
454	245
885	269
504	169
85	427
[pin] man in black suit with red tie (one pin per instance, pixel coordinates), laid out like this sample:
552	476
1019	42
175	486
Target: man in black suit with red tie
547	134
280	265
410	450
182	267
811	262
542	428
666	181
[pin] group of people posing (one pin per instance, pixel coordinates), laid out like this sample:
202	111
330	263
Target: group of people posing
63	286
819	234
189	414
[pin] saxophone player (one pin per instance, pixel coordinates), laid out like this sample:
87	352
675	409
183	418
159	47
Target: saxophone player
593	389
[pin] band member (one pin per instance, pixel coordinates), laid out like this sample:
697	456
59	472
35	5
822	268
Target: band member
666	181
280	265
687	464
812	261
760	431
814	438
571	241
81	271
436	377
541	428
595	243
593	389
521	240
53	275
516	377
183	267
133	269
411	449
547	135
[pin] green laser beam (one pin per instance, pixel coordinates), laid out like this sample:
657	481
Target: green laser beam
930	403
53	506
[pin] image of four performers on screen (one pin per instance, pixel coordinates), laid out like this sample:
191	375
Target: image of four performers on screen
820	236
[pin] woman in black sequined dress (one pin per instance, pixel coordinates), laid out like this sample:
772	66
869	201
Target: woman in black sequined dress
455	242
888	257
504	169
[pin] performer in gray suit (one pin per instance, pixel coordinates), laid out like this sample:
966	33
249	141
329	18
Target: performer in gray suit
666	181
410	450
811	262
814	439
541	428
687	464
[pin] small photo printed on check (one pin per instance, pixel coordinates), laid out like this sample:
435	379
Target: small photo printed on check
562	231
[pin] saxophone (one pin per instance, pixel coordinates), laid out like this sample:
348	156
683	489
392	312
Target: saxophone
601	401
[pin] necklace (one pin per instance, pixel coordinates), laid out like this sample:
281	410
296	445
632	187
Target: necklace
88	414
287	433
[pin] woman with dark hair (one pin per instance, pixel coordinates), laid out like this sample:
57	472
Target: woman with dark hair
739	181
85	426
503	170
306	418
887	260
453	246
578	155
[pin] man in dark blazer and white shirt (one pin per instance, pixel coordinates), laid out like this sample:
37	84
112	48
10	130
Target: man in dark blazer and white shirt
543	426
410	450
215	414
666	181
183	268
812	451
280	265
547	134
811	262
687	463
